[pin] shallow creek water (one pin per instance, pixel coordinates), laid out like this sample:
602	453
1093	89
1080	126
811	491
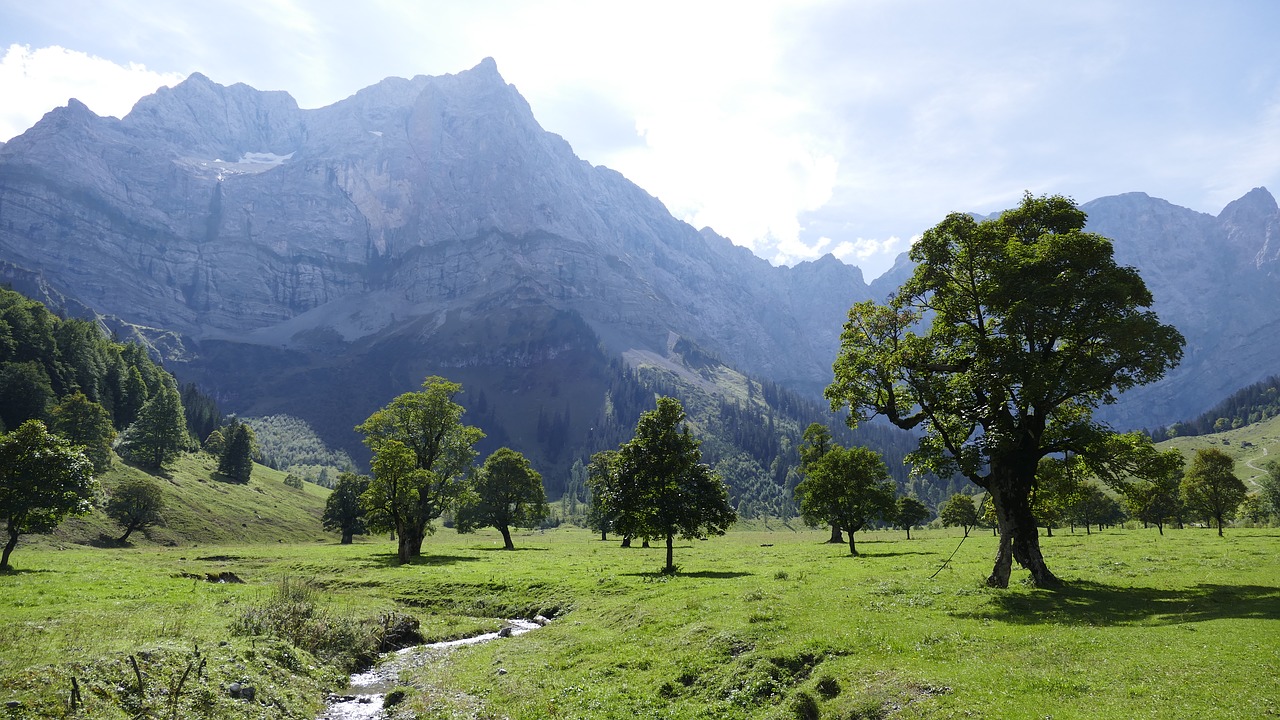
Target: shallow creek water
363	699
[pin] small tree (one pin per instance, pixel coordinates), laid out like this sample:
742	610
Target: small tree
663	490
87	424
959	511
215	444
911	512
160	432
847	487
43	479
1211	487
135	504
505	492
342	510
236	461
1269	485
813	445
1156	499
602	475
392	500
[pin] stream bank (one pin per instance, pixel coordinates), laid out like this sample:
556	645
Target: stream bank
366	696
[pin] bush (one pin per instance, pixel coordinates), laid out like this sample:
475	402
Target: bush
292	614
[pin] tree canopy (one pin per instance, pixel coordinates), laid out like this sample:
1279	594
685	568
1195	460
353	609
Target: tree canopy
848	487
960	511
1210	486
1006	338
910	512
135	504
421	454
342	509
43	479
505	492
661	488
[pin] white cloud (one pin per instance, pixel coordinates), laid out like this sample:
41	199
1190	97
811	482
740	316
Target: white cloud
35	81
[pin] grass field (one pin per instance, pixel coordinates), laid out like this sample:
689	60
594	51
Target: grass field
755	625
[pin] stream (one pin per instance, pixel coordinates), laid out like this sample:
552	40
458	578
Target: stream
363	699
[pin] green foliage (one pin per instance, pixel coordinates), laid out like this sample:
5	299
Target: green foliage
602	474
1210	486
25	393
293	481
1255	403
342	509
294	613
959	511
661	488
87	424
910	513
1269	487
236	460
422	452
160	432
505	492
289	443
43	479
135	504
1031	326
848	488
1156	499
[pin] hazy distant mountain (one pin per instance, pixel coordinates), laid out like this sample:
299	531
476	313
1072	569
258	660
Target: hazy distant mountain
317	262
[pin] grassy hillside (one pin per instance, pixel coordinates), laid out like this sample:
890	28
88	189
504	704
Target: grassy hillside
203	508
1252	446
756	626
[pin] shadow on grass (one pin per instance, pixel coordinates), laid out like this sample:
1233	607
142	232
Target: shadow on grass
6	572
108	541
393	560
706	574
514	549
1092	603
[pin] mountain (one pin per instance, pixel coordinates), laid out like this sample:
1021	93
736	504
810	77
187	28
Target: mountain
1217	279
316	263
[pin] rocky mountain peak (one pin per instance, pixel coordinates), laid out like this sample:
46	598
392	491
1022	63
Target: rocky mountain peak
200	118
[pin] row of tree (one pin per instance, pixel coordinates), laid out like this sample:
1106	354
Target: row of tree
1208	491
423	457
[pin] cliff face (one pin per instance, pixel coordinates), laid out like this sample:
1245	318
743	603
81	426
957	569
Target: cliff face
430	223
1215	279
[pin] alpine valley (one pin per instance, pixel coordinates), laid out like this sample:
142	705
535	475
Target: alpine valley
316	263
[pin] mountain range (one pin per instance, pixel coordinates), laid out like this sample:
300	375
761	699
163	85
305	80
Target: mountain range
318	262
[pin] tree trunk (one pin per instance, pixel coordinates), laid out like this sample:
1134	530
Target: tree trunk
8	547
410	542
1019	536
836	537
346	537
1048	531
506	538
1160	527
626	541
604	536
1219	518
908	532
128	530
644	543
671	566
853	549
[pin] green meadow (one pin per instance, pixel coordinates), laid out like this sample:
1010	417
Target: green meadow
761	623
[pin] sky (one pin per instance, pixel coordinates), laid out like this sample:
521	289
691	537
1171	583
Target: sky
793	128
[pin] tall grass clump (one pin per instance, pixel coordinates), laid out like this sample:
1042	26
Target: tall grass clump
293	613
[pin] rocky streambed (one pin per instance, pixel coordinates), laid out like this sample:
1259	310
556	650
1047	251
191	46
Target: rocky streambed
367	696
